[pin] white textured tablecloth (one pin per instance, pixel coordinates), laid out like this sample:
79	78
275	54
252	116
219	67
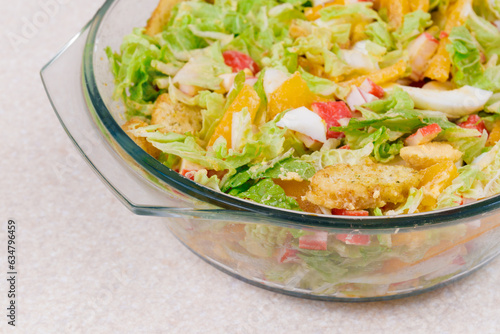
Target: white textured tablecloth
88	265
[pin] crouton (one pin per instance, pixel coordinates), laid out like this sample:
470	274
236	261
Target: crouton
133	124
423	156
361	187
160	17
175	117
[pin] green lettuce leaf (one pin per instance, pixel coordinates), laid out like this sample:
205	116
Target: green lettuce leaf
177	44
478	180
262	239
211	36
490	80
190	48
413	25
469	141
466	60
202	178
255	172
396	99
441	5
134	75
267	30
493	104
465	57
491	171
471	147
386	143
284	169
241	129
378	33
373	49
324	158
398	120
411	205
203	69
281	58
268	193
323	86
353	12
265	145
212	105
339	32
320	50
150	132
169	160
461	187
488	9
234	158
190	150
324	264
280	167
485	33
272	139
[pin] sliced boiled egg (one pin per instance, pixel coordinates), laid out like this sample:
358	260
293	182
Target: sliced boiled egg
306	122
454	103
273	79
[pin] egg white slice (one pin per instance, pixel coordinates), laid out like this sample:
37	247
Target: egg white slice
306	122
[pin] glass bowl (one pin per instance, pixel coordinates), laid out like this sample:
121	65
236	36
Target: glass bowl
369	258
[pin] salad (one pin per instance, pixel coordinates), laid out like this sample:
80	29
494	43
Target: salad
355	108
344	107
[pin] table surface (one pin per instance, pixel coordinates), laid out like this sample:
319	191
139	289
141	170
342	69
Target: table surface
88	265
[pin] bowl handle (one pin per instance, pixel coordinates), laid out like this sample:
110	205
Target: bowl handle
63	84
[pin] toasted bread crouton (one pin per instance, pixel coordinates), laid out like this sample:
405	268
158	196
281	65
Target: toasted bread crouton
133	124
359	187
160	17
175	117
423	156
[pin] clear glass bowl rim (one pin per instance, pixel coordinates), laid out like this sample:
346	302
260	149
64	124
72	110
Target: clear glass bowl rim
441	217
